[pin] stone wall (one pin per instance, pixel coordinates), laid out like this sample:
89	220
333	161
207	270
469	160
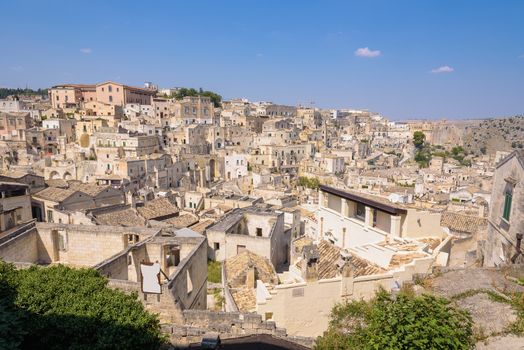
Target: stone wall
227	324
21	245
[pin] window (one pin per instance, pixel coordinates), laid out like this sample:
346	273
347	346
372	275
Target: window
132	238
173	256
361	211
259	232
110	98
50	216
216	246
110	88
508	197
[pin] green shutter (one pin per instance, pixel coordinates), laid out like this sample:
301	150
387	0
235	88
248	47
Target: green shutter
507	205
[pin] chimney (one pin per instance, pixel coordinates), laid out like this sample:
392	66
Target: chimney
251	277
345	265
481	210
310	263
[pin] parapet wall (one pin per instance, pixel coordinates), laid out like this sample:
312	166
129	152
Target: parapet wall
228	325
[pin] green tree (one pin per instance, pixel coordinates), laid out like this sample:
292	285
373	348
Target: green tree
66	308
12	330
419	138
398	322
313	183
183	92
4	92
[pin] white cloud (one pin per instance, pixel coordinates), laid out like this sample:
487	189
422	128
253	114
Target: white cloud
521	56
366	52
442	69
16	68
260	54
86	50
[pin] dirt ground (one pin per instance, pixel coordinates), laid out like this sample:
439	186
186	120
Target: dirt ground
479	290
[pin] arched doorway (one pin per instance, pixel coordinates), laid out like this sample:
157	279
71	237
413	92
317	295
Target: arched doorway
54	175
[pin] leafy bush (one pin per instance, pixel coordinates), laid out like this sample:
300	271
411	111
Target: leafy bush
11	318
402	322
66	308
308	182
423	157
419	138
214	271
183	92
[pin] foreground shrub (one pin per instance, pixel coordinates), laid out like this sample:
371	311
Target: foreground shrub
397	322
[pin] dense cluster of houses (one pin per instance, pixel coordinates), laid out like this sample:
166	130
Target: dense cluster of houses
303	207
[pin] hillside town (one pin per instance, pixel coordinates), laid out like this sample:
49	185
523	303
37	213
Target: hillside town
261	216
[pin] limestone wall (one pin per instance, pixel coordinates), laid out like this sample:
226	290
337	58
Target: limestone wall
86	245
22	247
228	325
418	224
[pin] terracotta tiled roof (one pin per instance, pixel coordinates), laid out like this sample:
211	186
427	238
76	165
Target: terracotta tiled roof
201	226
182	221
54	194
245	298
57	183
126	218
237	267
327	264
157	208
402	259
91	189
362	267
329	256
462	223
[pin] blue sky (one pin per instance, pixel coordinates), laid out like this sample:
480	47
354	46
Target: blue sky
405	59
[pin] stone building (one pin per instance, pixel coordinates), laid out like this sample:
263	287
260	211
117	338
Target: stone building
116	252
15	205
258	229
506	216
349	219
73	95
13	125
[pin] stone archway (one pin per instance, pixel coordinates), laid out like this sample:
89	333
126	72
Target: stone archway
54	175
